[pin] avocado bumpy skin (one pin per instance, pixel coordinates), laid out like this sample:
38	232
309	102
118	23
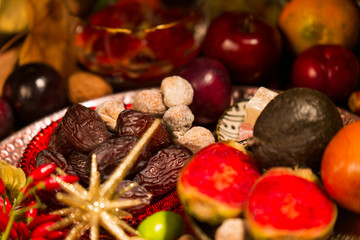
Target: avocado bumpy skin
294	129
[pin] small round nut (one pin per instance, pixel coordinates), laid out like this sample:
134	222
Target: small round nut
149	101
196	139
178	119
84	86
354	102
231	229
109	111
176	91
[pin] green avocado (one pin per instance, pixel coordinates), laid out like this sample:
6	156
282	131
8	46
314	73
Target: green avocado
294	129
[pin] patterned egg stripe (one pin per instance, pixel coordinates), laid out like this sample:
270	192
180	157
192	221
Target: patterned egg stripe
229	123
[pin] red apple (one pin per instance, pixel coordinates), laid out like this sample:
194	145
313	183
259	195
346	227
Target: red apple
247	46
331	69
212	88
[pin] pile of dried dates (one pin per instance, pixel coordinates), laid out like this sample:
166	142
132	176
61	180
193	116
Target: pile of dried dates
109	132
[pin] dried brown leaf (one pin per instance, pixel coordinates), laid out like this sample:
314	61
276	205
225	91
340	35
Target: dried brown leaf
7	62
49	39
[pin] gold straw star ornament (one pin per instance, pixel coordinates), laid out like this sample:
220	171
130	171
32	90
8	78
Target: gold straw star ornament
94	208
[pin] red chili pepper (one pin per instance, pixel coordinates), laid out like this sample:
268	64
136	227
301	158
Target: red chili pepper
42	171
50	184
2	187
7	207
128	106
56	235
32	213
42	230
4	219
29	192
40	238
23	231
40	219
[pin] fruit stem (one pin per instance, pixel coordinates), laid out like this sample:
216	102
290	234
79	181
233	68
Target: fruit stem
252	142
248	25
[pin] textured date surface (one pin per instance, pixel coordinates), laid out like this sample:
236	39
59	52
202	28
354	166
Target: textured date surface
84	128
78	161
46	156
135	123
137	192
163	169
59	143
111	153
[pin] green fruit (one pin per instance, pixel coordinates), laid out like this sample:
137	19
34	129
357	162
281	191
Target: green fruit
294	129
164	225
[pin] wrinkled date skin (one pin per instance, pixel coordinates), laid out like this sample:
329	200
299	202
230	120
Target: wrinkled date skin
111	153
84	128
163	169
46	156
59	143
135	123
137	192
78	161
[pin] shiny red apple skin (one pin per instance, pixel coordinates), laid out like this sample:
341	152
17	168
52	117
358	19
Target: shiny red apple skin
331	69
212	88
247	46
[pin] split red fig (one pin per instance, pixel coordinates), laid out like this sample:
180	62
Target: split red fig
289	204
216	182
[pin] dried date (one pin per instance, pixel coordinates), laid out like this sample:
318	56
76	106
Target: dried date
84	128
137	192
135	123
162	170
111	153
78	161
46	156
59	143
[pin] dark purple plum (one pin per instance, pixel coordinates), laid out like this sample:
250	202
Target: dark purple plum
35	90
6	118
212	88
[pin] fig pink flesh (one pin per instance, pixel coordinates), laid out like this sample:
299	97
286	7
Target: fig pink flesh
223	173
290	202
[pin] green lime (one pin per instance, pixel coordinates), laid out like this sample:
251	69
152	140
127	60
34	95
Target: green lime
164	225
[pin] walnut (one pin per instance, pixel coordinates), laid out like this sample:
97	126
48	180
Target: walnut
84	86
178	119
149	101
176	91
196	139
109	112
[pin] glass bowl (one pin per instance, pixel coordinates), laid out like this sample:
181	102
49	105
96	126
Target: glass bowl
137	42
169	201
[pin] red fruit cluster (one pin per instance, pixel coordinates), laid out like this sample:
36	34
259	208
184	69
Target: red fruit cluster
36	225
